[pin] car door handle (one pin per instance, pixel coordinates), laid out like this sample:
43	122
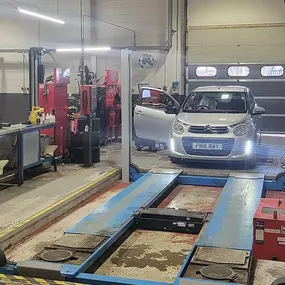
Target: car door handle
139	112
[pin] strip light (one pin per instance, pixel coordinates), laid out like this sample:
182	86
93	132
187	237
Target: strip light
30	13
97	49
68	50
85	49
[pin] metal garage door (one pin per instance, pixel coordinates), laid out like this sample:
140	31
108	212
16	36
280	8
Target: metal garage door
267	82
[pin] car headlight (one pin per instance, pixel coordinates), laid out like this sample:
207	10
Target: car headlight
241	130
178	128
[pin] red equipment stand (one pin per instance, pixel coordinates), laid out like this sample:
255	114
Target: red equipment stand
109	108
269	230
113	103
53	96
88	99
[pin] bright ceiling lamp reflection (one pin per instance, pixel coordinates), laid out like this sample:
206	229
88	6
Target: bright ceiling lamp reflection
87	49
97	49
225	96
68	50
34	14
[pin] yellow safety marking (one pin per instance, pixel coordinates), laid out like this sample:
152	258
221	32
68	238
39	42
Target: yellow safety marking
15	279
41	281
79	191
19	277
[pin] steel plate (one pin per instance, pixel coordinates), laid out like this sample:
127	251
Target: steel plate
77	241
57	255
218	272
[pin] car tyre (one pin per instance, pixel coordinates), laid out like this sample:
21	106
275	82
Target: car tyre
139	148
251	163
3	260
175	160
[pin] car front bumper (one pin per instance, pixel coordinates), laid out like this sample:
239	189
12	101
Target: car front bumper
235	148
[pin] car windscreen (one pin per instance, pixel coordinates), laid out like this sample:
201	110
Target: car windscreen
215	102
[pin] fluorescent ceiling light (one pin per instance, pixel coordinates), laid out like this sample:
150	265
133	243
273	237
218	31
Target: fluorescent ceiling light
85	49
97	49
30	13
69	50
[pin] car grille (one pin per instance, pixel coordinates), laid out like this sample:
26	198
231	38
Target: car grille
227	145
208	130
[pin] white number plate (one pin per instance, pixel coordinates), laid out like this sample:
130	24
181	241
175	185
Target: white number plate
209	146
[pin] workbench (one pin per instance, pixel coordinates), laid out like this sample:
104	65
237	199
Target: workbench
28	147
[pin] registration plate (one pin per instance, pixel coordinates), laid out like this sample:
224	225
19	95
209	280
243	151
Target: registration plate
208	146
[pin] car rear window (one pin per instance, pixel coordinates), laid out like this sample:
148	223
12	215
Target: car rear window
216	102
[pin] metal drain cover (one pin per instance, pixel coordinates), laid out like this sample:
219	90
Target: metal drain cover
218	272
56	255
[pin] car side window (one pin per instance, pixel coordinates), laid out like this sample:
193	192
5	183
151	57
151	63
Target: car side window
154	99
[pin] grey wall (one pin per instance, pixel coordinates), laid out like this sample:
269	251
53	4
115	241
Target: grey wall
210	40
22	31
149	18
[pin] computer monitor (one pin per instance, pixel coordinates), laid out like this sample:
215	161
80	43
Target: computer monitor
143	85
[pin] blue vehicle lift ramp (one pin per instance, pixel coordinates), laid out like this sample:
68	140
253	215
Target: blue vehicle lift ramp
231	224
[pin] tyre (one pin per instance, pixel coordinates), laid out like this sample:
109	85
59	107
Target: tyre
139	148
251	163
3	260
175	160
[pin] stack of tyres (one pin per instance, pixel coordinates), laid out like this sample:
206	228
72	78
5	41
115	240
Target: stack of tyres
78	141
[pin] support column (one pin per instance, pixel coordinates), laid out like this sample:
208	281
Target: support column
126	87
183	34
33	76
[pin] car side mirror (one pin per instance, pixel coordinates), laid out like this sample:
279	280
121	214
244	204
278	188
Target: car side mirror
259	111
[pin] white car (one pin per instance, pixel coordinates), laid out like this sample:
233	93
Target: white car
214	123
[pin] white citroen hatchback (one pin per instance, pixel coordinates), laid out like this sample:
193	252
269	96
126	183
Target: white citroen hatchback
217	123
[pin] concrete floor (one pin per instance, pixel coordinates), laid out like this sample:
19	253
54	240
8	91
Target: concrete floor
267	272
192	198
45	189
269	160
50	234
149	255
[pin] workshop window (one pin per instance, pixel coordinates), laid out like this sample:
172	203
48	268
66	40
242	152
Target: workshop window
272	71
206	71
238	71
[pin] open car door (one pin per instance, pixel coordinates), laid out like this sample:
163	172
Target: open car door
154	114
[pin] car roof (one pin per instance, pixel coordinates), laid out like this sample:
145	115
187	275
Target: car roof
221	89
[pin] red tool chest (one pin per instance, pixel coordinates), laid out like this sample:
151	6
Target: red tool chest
269	230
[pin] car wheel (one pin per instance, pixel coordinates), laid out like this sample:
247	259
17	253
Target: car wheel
175	160
139	148
3	260
251	163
